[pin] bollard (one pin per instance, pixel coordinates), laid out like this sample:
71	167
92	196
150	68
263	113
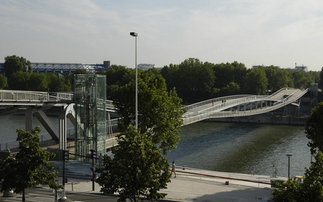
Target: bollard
226	182
72	186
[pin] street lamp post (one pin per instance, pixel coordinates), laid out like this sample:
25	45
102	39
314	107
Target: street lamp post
134	34
288	156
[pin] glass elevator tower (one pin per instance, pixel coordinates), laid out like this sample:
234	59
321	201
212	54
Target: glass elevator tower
90	101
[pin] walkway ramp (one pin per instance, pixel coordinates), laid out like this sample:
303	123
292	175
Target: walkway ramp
241	105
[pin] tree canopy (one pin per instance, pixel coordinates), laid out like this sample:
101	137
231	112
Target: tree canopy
14	64
310	190
256	81
3	82
138	169
29	167
314	129
192	79
159	111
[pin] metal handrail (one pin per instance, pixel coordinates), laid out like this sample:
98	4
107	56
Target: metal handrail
220	113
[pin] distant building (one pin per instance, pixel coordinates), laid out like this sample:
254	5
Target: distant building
301	68
64	68
146	66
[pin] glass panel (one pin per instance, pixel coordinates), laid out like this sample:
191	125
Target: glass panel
90	96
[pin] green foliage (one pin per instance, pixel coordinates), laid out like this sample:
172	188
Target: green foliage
231	89
159	111
287	192
277	78
58	83
117	76
30	166
3	81
256	81
14	64
314	129
321	79
310	190
194	80
38	82
138	168
301	79
19	80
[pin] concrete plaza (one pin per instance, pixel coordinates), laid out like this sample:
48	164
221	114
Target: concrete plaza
189	185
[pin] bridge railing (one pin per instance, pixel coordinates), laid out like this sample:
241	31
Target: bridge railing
109	104
13	95
233	102
60	96
40	97
209	101
224	114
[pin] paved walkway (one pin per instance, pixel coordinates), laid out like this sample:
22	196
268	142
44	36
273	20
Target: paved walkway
189	185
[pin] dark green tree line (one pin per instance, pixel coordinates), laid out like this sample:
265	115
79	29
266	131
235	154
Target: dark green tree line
192	79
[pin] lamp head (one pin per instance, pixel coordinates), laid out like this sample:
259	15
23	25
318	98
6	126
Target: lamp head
134	34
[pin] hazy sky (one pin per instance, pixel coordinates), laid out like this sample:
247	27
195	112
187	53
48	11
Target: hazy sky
254	32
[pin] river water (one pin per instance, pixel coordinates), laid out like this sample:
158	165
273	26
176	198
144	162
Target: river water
243	148
230	147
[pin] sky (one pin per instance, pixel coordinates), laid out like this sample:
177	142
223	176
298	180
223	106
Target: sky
253	32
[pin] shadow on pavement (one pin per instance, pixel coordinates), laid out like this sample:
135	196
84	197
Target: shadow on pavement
246	195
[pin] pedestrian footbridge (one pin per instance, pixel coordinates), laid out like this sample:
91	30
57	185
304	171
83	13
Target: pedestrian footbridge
242	105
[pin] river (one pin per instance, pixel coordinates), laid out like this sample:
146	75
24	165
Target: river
242	148
230	147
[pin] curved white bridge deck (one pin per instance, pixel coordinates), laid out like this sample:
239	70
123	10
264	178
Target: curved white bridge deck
241	105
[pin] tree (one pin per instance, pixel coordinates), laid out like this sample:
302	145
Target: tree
301	79
159	111
193	80
19	80
138	168
30	166
3	81
231	89
118	76
38	82
277	78
310	190
256	81
14	64
321	79
314	129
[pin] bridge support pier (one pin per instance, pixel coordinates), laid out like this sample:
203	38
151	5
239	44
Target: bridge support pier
60	135
68	112
29	120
